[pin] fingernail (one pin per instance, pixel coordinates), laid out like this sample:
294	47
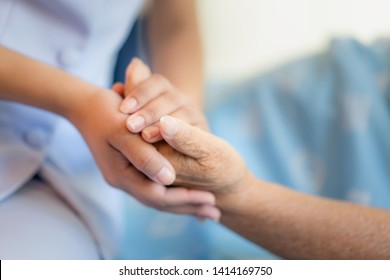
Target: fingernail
128	105
151	132
169	125
136	123
165	176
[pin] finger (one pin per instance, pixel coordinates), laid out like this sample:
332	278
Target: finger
136	72
183	137
119	88
184	196
151	134
160	197
201	211
144	92
146	158
151	113
192	116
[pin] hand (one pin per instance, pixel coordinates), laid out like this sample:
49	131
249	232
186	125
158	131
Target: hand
202	161
94	111
148	97
122	156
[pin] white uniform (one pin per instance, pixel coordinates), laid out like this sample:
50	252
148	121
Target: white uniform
81	37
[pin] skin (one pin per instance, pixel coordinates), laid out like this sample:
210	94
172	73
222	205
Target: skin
124	158
150	96
289	224
152	100
176	55
175	45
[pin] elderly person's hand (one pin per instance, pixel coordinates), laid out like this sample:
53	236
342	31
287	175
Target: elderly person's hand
203	161
270	215
148	97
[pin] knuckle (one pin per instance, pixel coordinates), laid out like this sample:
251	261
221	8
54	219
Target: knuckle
202	124
157	200
143	160
152	202
150	115
206	155
187	138
129	190
160	79
204	161
184	165
167	151
111	179
160	205
212	162
175	98
194	116
186	100
146	202
141	93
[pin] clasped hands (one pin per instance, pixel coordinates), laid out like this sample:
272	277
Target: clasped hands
198	166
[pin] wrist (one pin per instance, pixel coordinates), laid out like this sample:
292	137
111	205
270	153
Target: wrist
78	105
44	87
232	201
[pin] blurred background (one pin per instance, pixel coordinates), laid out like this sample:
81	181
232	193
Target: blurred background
246	37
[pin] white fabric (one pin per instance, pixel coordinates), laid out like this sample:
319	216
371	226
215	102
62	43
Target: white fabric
81	37
37	224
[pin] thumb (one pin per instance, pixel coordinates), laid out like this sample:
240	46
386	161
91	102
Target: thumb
119	88
136	72
185	138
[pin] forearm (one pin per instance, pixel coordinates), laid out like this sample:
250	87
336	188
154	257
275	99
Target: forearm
288	223
175	45
299	226
36	84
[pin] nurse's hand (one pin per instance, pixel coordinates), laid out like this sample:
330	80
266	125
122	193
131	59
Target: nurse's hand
203	161
148	97
131	164
125	160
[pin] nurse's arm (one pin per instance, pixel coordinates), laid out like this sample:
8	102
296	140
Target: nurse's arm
288	223
175	45
33	83
123	158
